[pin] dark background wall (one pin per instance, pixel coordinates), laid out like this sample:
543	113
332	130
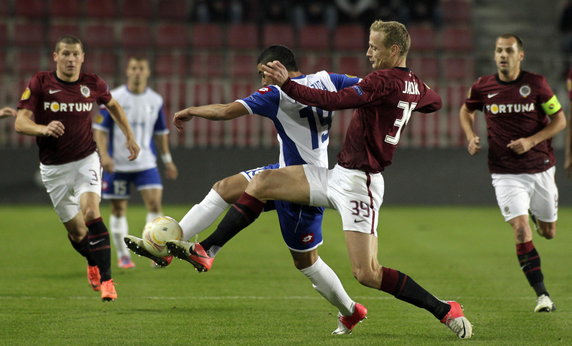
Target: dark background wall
417	176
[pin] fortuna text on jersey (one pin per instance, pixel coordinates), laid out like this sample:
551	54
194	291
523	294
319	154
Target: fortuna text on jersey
510	108
68	107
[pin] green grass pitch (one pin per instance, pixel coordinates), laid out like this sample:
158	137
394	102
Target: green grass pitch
255	296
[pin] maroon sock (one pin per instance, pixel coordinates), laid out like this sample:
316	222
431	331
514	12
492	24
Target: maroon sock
99	247
529	261
405	288
83	248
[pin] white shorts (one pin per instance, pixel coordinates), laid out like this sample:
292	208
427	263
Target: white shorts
517	193
355	194
65	183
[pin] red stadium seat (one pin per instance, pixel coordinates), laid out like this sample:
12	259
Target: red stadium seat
311	63
350	38
243	36
139	9
207	36
243	66
427	68
101	62
58	30
172	36
67	9
29	34
354	65
459	69
456	11
423	38
170	64
98	36
26	63
173	10
457	39
207	65
282	34
3	34
101	8
30	8
314	37
136	37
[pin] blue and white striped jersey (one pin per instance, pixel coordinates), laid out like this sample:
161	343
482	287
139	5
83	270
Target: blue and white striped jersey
146	116
303	131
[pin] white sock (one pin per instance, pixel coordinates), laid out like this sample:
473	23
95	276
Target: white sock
202	215
119	229
327	283
151	216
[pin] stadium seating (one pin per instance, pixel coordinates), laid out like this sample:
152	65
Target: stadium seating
207	36
172	36
103	9
458	68
457	39
350	38
426	67
310	63
136	36
65	9
314	37
102	62
28	62
282	34
456	11
423	38
170	64
243	66
137	9
29	34
58	30
355	65
30	8
207	65
169	10
242	36
3	35
99	35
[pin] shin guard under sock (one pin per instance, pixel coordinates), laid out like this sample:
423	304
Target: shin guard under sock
404	288
529	261
99	247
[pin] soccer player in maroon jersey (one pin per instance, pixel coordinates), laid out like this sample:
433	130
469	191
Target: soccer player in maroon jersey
384	101
517	105
56	108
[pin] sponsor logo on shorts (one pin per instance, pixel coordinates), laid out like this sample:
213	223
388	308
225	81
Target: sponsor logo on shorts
307	238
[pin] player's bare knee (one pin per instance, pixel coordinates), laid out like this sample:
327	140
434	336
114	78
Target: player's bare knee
259	183
548	230
364	276
90	214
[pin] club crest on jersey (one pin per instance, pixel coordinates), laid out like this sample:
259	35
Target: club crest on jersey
524	90
84	90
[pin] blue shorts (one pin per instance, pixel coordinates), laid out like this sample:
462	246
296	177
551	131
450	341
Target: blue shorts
117	185
301	225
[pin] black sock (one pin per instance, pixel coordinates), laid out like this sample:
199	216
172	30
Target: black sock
83	248
529	261
405	288
99	247
239	216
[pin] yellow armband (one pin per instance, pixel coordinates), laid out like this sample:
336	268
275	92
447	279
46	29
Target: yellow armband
551	106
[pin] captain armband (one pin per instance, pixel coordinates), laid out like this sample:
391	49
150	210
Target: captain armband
551	106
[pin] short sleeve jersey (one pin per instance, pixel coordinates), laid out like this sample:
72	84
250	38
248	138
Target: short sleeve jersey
384	101
50	98
303	131
515	110
146	116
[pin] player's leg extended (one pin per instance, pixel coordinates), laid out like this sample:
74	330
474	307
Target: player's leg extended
77	235
152	200
544	203
203	214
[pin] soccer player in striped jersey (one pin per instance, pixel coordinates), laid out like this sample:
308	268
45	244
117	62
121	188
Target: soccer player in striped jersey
384	101
522	115
144	109
56	107
303	137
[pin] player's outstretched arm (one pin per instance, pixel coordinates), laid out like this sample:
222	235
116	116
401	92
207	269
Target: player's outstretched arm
467	120
101	139
118	115
26	126
7	112
211	112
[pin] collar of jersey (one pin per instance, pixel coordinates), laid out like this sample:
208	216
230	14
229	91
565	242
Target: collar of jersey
66	82
521	73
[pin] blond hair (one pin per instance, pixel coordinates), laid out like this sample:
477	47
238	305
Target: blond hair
395	34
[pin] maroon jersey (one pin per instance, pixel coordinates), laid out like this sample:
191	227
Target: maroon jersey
50	98
514	110
569	84
384	100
